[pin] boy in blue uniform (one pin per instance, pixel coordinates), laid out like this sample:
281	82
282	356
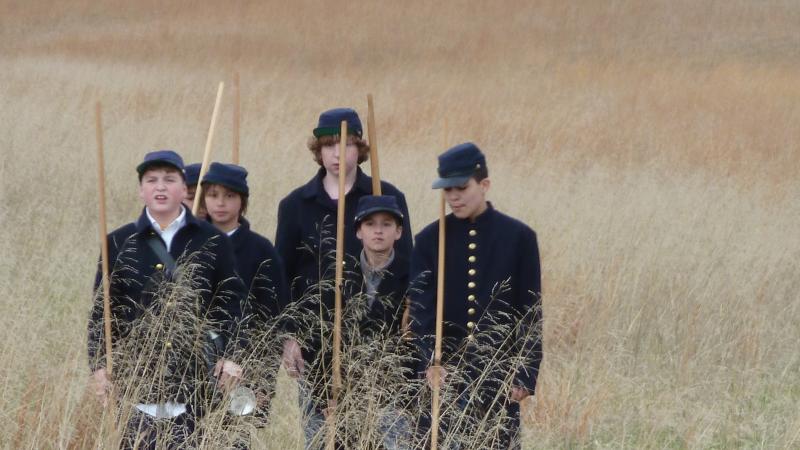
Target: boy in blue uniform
192	172
375	290
161	310
492	306
225	198
306	242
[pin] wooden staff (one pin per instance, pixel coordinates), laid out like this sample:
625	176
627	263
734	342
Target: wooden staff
101	189
337	313
236	117
437	349
373	148
207	153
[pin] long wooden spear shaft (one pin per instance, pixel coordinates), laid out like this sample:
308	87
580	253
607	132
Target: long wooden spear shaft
437	349
337	312
101	189
373	148
207	152
237	112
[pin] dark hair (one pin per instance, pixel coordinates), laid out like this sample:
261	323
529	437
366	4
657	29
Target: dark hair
481	174
160	166
204	188
315	144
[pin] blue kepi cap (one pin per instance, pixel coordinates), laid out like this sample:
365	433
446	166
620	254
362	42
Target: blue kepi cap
458	164
330	122
371	204
159	157
231	176
192	173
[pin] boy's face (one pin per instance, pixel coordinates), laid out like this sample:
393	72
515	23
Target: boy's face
469	200
222	204
330	158
188	202
379	231
162	190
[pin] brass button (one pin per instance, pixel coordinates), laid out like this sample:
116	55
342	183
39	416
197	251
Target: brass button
472	246
471	297
470	325
472	232
471	311
159	266
471	272
471	285
472	259
168	344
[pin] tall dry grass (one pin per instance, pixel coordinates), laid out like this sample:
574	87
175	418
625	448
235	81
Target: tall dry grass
651	145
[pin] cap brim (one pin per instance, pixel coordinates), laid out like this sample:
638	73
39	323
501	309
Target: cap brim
443	183
142	168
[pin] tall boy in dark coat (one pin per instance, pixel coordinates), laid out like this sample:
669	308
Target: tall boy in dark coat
163	313
306	239
492	306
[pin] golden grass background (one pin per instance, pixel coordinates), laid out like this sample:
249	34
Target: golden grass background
651	145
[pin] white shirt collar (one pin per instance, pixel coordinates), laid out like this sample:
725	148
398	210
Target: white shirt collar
169	232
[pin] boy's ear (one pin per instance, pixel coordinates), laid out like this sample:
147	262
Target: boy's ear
485	185
399	232
358	233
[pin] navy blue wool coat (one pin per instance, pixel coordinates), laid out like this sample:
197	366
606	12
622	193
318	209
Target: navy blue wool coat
260	268
306	242
492	293
163	317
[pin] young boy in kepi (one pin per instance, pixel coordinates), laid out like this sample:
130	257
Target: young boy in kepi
379	282
192	172
306	242
173	285
225	198
492	306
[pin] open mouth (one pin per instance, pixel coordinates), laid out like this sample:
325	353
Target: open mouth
161	198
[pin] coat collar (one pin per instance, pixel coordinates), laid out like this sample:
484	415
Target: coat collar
143	224
314	186
482	219
238	237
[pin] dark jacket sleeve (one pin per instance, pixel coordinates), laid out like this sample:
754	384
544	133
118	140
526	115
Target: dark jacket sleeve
530	292
96	329
228	293
269	286
422	292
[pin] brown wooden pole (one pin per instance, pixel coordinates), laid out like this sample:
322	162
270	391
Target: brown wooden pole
337	314
373	147
237	112
101	189
207	152
437	350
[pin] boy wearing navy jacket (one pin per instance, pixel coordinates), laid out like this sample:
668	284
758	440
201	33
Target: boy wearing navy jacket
306	242
225	198
492	306
173	285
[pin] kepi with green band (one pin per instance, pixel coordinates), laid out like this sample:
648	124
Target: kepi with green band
330	123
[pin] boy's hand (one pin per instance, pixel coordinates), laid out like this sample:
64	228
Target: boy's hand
435	376
519	394
293	358
100	385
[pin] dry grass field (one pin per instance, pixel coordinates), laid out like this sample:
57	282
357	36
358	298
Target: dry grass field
653	146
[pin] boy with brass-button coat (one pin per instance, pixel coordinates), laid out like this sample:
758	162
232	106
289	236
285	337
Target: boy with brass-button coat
492	287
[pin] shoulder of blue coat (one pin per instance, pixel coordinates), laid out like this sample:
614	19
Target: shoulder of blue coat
512	224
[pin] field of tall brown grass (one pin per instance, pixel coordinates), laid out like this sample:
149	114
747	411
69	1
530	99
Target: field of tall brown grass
652	145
